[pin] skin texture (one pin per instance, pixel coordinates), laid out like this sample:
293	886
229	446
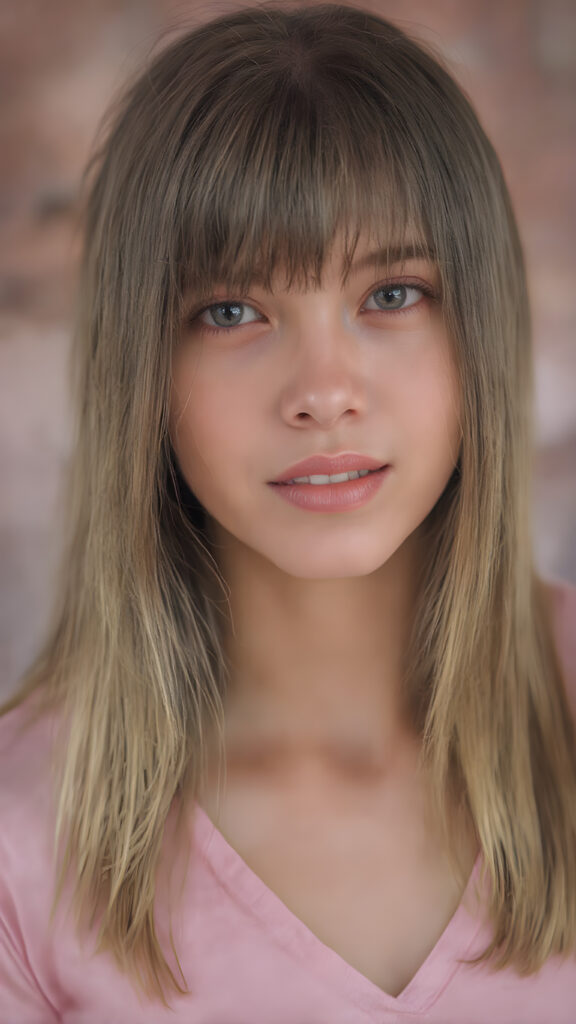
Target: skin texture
320	752
318	372
320	604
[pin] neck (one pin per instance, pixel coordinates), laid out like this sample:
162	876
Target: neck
317	665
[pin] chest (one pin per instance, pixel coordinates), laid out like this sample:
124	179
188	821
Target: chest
368	877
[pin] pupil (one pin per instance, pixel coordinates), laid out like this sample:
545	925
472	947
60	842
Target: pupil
227	313
391	296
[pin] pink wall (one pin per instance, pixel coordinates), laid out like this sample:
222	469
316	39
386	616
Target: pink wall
59	65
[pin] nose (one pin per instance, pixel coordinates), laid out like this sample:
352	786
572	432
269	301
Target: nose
324	382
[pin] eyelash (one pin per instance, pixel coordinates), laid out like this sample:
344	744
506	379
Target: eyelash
423	287
427	291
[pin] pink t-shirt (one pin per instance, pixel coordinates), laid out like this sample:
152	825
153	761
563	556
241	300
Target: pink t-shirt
246	958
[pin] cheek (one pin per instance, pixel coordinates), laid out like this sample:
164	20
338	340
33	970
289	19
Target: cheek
431	407
189	416
207	424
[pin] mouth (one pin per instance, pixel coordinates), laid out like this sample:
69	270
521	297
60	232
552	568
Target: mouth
321	479
321	470
333	492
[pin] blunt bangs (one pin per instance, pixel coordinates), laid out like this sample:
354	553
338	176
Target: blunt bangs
280	178
314	125
284	148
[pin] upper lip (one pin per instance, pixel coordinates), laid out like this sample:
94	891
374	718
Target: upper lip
328	465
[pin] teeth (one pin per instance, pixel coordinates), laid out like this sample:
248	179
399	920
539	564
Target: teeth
336	478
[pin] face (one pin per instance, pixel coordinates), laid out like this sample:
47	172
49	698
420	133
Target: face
265	380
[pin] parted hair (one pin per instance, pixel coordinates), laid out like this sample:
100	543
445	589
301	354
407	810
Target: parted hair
247	147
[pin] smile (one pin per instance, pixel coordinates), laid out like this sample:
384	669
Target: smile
335	478
335	492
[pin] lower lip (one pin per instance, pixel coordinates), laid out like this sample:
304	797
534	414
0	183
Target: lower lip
333	497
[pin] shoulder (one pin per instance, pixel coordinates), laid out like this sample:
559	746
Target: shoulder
27	867
562	598
27	743
27	738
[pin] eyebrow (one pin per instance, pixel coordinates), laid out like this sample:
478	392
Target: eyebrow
389	255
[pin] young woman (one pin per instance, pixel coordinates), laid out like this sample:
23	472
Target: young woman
306	702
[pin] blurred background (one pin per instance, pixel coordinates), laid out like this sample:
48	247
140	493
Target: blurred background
62	61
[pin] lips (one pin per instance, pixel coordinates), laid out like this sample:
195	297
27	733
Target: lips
329	465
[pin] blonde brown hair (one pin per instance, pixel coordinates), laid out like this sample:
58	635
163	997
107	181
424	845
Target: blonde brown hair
247	147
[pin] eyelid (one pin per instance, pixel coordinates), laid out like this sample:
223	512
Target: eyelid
246	306
194	316
427	290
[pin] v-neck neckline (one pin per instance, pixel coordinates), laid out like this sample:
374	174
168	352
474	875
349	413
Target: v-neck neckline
287	930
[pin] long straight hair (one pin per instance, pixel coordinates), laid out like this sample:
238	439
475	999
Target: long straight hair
246	148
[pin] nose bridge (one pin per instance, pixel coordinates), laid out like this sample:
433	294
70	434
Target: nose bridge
324	380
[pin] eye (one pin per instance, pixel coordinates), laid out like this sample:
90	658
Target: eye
228	314
394	297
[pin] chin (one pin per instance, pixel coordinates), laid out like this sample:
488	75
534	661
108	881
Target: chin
331	562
